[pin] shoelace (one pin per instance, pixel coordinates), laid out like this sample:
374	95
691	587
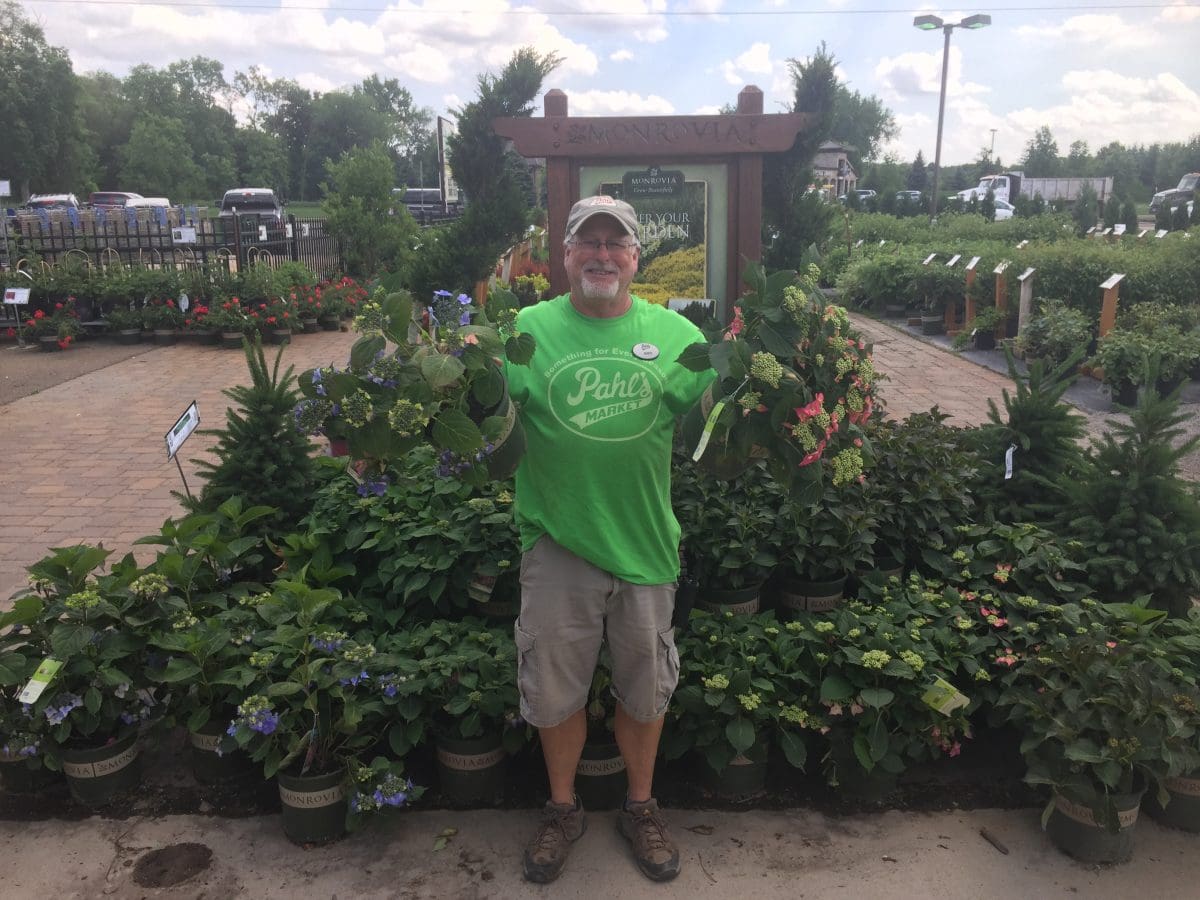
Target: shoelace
653	836
552	820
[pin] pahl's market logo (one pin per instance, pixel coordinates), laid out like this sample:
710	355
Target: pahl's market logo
607	398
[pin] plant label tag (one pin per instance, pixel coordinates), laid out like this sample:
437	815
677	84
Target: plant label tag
709	425
943	697
16	296
1008	461
645	351
40	680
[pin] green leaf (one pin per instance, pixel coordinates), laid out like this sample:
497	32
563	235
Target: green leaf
835	688
775	342
365	349
179	670
487	387
455	431
793	749
876	697
519	349
695	357
863	753
284	689
441	371
68	639
92	700
398	308
740	734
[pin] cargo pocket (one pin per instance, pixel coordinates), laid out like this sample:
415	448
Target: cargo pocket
527	676
667	674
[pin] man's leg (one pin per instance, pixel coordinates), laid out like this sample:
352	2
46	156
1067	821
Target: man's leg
639	747
562	745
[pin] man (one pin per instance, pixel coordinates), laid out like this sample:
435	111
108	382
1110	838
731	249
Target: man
600	542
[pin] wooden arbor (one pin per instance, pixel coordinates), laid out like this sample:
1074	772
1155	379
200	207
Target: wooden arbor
737	142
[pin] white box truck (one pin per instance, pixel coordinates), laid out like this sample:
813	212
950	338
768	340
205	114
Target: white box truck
1010	185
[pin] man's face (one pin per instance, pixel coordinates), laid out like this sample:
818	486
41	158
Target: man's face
604	274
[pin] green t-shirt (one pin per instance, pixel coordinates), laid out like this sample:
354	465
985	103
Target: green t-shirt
599	402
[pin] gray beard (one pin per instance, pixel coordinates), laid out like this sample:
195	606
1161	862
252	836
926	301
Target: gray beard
594	291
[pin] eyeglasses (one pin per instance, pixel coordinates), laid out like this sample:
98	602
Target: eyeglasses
614	247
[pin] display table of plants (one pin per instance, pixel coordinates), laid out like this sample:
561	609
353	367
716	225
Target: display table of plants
333	637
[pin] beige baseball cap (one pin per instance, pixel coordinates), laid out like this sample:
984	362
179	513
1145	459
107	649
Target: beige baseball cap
602	205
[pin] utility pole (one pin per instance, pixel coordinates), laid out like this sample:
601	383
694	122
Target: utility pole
992	152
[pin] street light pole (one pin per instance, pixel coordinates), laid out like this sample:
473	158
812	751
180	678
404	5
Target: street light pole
929	23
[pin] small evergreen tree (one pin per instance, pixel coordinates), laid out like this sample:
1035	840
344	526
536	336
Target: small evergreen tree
987	208
918	177
262	458
1162	218
1085	212
1130	217
1138	521
1046	433
1112	211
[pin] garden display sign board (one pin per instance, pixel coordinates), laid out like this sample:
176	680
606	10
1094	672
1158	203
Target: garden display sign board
179	433
672	214
16	296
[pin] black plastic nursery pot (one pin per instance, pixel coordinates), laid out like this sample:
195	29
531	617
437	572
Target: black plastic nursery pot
509	445
211	767
985	339
313	807
600	776
164	337
1125	394
799	594
1074	830
18	777
471	770
933	324
1183	809
97	775
744	778
128	336
231	340
739	601
330	323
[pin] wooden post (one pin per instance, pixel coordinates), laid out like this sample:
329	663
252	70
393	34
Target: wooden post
951	314
970	310
1001	293
1026	301
1108	309
560	194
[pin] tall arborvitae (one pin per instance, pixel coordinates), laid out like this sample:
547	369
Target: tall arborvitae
1045	433
261	456
1138	521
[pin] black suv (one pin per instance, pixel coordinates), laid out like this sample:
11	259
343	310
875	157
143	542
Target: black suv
260	202
1180	194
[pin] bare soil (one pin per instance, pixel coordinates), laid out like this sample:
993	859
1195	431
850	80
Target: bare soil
26	371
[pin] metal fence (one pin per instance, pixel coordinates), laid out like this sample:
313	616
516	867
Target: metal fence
175	237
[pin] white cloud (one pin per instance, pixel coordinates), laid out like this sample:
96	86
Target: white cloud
1107	106
1111	31
910	75
1177	12
706	111
621	55
316	83
704	7
618	103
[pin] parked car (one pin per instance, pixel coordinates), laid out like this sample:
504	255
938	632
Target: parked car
52	201
111	199
1004	210
147	202
864	194
260	202
908	196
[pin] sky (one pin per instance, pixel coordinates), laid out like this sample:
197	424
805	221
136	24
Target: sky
1094	71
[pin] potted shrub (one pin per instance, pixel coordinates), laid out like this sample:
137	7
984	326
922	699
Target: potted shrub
21	733
470	677
1055	334
314	712
443	386
164	318
230	320
197	328
1123	355
125	322
938	288
103	692
1101	725
981	330
729	536
54	329
834	536
725	708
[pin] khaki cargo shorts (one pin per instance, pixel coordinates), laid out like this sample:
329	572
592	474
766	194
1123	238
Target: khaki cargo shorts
568	606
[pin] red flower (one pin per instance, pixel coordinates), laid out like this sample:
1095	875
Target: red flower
170	303
285	315
270	319
12	332
39	314
58	306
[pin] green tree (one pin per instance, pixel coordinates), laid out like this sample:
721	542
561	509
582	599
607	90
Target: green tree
41	138
1130	217
412	139
918	175
259	159
987	207
1079	160
495	180
861	122
795	218
291	122
359	207
1086	211
1112	211
340	122
158	160
107	120
1041	155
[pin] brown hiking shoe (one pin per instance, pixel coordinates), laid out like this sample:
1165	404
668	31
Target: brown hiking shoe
653	850
547	853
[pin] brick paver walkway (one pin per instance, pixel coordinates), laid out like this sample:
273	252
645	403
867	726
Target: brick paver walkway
86	461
